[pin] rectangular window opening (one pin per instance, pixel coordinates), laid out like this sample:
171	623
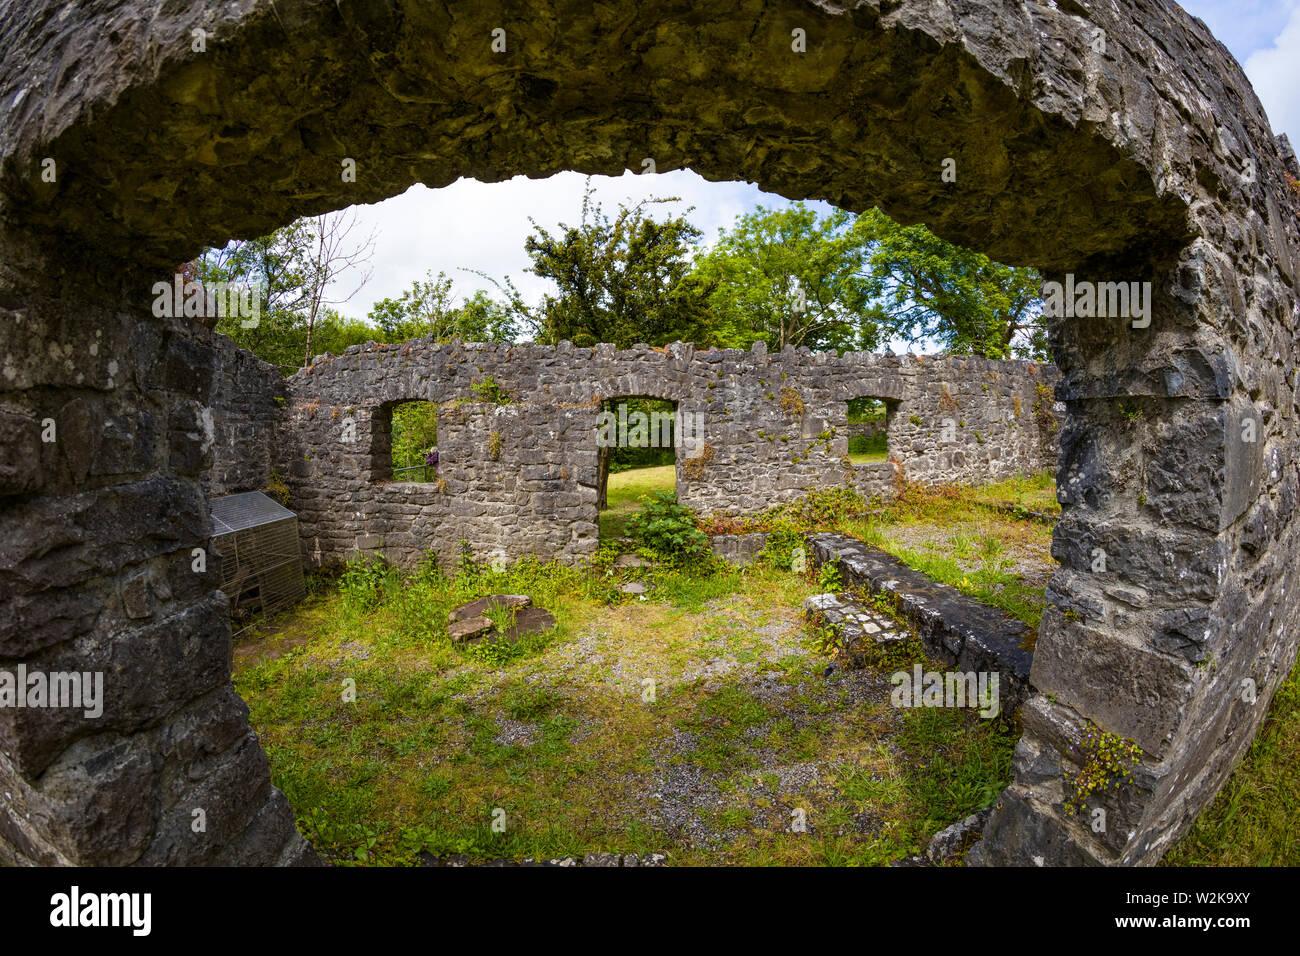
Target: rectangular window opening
868	420
413	436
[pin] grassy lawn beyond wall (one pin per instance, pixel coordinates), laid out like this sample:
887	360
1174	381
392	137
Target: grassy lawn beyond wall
626	489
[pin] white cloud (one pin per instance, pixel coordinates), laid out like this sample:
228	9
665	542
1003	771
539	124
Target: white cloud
482	226
1243	26
1275	74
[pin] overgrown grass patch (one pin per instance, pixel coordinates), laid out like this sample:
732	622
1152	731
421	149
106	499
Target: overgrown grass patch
1035	492
1255	819
944	533
393	745
957	762
627	491
697	722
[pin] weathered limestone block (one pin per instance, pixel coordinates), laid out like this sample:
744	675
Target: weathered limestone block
740	549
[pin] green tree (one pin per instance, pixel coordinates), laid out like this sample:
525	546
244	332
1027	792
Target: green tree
271	264
428	308
335	332
789	277
622	280
292	268
414	435
925	289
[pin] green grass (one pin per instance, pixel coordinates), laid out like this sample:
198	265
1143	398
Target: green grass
559	735
865	449
1033	492
626	492
945	534
1255	819
957	762
988	583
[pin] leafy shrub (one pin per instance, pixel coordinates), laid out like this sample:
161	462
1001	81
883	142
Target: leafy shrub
362	582
466	566
668	529
829	579
489	390
784	534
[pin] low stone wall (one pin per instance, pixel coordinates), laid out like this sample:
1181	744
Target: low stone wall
738	549
952	627
520	477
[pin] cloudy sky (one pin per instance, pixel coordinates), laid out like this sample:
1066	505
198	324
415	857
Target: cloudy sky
481	226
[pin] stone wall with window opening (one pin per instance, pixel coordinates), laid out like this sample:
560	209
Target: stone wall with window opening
1118	142
517	475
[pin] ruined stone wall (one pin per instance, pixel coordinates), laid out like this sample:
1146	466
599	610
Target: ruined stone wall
520	478
1112	141
967	420
242	410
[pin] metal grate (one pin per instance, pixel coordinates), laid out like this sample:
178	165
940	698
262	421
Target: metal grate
237	512
261	558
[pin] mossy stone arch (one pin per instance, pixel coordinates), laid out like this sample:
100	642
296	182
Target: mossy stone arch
1112	142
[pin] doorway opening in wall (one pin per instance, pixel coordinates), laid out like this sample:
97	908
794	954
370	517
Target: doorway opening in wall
868	431
637	442
413	434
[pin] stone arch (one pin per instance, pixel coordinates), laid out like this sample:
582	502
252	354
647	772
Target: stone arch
1144	157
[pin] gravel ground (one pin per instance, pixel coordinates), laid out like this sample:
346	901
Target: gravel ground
689	801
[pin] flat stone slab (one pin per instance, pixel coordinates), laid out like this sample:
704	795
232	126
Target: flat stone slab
857	629
470	623
528	621
952	626
469	629
632	561
633	587
479	608
738	549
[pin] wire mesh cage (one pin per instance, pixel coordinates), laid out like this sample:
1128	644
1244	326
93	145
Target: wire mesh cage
261	559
